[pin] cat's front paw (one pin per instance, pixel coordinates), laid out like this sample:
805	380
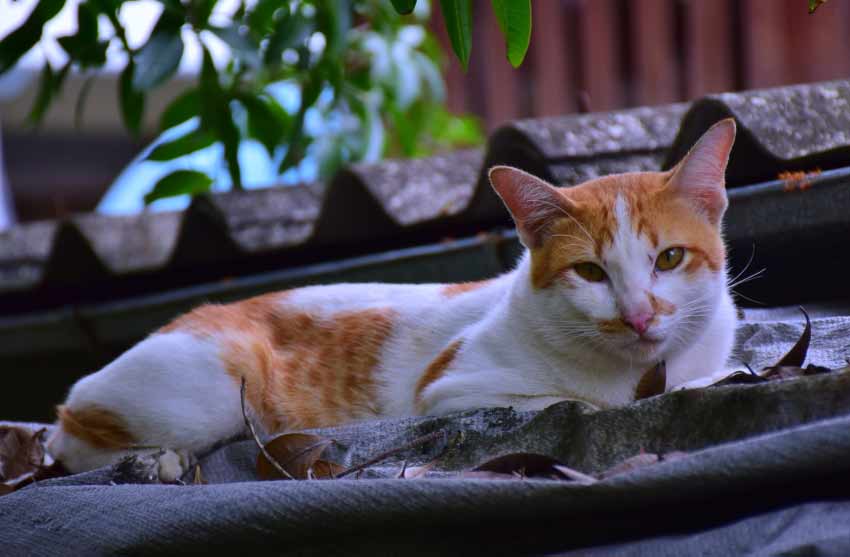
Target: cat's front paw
159	466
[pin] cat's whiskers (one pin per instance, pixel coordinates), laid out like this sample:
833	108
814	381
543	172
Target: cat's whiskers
758	274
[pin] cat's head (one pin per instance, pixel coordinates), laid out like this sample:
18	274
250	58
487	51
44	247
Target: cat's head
633	263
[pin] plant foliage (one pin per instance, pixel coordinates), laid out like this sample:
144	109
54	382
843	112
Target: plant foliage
366	70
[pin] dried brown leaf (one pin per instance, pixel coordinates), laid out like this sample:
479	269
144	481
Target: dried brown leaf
295	452
739	378
326	470
797	355
653	382
531	465
487	475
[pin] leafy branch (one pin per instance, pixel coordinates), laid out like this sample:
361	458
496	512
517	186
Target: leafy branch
367	69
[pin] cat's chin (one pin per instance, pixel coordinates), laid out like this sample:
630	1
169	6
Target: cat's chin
643	350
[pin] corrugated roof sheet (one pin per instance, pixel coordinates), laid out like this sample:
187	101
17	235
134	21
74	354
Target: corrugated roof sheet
370	208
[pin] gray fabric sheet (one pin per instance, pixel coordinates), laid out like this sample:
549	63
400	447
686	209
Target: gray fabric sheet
766	474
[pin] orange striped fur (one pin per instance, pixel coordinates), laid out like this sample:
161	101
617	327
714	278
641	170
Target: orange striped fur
301	370
452	290
437	367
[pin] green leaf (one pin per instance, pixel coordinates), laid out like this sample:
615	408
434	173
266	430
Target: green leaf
179	182
49	84
201	10
458	17
21	40
184	107
267	121
217	118
242	45
514	17
160	57
404	7
132	101
80	105
290	31
193	141
297	142
83	46
261	18
334	24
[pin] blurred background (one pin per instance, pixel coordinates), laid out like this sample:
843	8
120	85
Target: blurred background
585	55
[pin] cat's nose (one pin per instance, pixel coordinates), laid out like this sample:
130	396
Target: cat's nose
639	321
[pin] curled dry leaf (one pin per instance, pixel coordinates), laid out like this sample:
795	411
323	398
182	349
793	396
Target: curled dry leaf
326	470
487	475
739	378
296	453
653	382
527	465
797	355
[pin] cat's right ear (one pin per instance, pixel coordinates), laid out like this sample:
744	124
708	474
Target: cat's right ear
532	202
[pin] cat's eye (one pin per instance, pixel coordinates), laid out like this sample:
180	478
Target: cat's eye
669	259
590	272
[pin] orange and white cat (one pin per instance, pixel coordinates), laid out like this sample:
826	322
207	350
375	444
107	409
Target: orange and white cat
619	273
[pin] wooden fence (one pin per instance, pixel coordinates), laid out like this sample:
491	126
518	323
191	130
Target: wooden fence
605	54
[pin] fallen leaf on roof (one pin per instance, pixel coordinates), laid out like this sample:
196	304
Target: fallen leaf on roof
797	354
653	382
487	475
326	470
527	465
297	454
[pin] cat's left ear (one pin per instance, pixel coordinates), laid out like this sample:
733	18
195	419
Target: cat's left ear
532	202
701	175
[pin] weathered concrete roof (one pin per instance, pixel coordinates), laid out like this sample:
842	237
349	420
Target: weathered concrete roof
800	127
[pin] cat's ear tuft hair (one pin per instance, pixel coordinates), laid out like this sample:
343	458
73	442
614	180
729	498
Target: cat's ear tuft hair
701	175
532	202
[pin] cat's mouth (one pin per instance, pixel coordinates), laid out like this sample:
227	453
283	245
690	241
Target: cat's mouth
646	344
648	341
